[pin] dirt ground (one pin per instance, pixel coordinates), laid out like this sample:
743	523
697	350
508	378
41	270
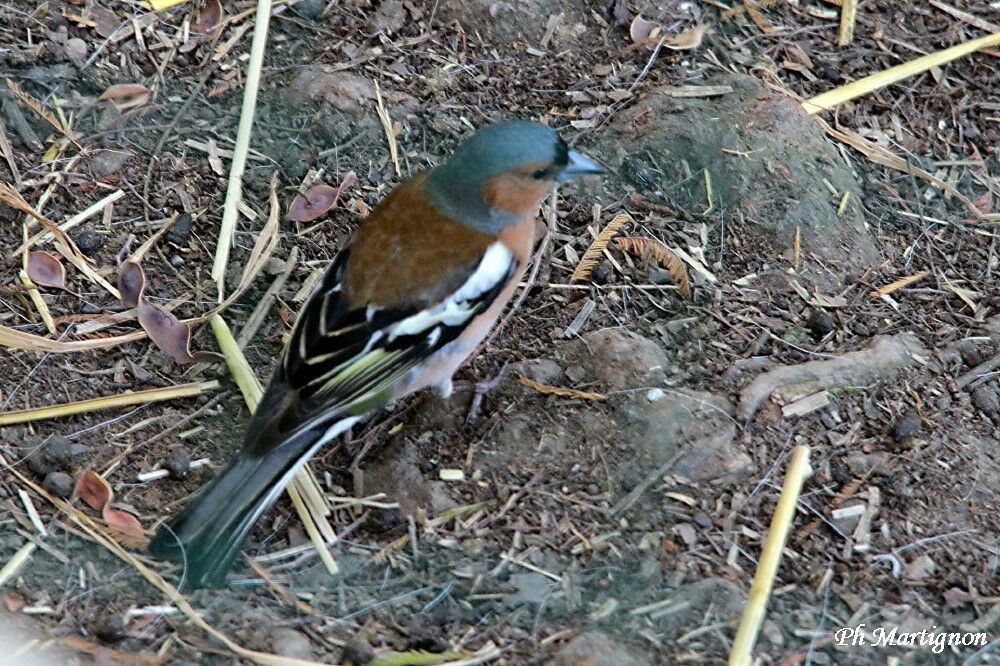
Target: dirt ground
533	551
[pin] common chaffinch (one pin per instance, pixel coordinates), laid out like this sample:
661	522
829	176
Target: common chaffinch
422	283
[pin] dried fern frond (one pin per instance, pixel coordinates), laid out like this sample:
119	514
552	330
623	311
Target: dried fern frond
899	284
589	260
661	254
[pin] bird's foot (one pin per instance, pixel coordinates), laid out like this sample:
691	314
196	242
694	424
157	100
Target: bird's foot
479	389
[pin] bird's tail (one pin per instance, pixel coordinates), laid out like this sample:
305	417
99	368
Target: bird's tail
206	535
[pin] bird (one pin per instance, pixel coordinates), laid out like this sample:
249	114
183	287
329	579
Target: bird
420	285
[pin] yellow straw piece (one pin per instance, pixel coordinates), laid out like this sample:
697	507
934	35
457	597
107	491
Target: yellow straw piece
122	400
847	14
158	5
832	98
767	566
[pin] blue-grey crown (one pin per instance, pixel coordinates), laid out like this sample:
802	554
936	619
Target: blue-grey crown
503	146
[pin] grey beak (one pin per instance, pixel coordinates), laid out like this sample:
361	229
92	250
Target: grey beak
577	166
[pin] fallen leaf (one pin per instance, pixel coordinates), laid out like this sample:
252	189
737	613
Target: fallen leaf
126	95
689	39
131	283
171	335
956	596
824	301
209	17
644	32
106	22
123	522
316	201
93	489
559	390
45	269
13	602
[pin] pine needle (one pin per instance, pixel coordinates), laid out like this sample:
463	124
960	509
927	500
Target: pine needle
559	390
589	260
653	249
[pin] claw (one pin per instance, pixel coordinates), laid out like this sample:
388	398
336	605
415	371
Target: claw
479	389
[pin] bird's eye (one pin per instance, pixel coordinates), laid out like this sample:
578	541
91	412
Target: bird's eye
540	174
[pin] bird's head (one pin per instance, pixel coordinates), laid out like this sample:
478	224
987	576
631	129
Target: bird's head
500	174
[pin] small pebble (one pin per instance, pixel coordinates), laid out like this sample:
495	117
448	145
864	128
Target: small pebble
178	462
601	273
820	324
89	241
59	450
288	642
112	628
180	230
311	9
986	399
358	652
40	464
906	427
177	260
76	48
59	484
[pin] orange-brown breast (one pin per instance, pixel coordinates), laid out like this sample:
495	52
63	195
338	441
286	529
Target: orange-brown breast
404	224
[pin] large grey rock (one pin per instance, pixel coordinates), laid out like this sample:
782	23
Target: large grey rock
767	159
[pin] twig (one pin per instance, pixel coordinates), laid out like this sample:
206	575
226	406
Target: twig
81	406
767	566
848	12
259	313
234	192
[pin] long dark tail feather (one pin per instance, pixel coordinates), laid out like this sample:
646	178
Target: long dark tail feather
207	534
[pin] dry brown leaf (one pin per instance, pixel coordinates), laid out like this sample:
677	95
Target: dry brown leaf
589	260
824	301
559	390
650	34
898	284
93	489
965	294
45	269
316	201
644	32
126	95
125	524
168	333
663	255
63	242
209	17
689	39
753	11
131	283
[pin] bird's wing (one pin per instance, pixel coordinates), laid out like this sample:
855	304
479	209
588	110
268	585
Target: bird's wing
342	359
